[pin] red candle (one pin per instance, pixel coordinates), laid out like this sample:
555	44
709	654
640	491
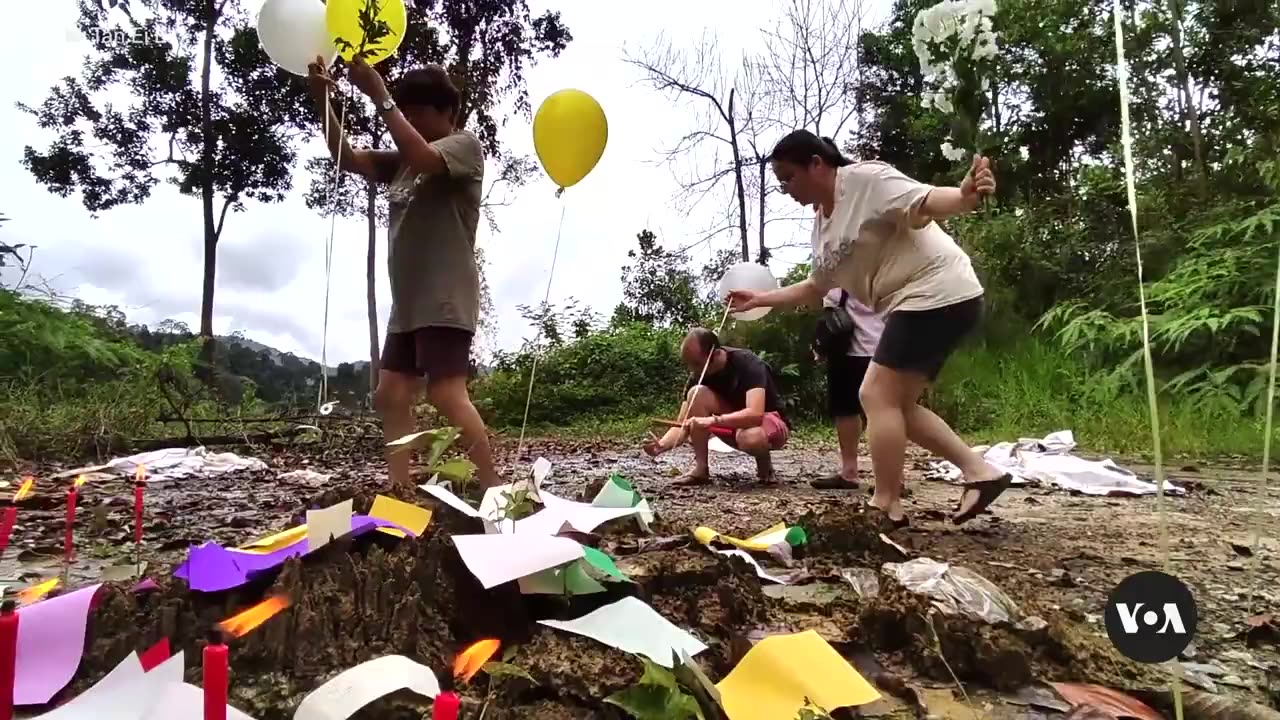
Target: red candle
68	545
137	513
445	706
215	678
8	657
6	526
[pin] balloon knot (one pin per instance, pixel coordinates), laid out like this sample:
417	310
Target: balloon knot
559	192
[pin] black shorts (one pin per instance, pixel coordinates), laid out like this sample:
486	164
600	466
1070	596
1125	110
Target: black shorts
922	340
439	353
844	381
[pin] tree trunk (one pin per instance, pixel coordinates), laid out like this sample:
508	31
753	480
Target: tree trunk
206	174
1190	112
371	291
764	194
737	179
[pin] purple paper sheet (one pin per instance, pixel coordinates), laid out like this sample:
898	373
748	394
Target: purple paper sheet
212	568
50	645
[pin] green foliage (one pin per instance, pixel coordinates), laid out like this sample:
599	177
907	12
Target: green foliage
657	696
618	372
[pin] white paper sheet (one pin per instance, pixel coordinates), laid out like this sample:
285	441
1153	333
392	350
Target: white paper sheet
327	524
344	695
715	444
502	557
125	693
182	701
632	626
760	572
442	494
580	516
541	471
1049	460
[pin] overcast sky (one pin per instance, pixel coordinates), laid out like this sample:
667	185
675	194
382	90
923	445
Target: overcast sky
271	278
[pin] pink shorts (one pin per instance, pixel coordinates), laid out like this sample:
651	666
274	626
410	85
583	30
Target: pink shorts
774	429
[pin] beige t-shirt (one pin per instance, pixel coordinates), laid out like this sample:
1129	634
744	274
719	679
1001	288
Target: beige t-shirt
868	247
431	240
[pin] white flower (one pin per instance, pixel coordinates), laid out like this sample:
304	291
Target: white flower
953	154
1024	152
1018	212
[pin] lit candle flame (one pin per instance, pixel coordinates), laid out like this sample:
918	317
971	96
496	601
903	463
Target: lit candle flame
35	592
140	475
24	490
242	623
79	481
470	660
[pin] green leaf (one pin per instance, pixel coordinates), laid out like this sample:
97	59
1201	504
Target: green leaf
655	674
461	469
654	702
505	669
443	438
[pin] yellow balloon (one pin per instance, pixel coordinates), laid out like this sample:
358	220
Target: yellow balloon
342	19
569	135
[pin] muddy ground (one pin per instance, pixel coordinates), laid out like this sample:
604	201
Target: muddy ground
1055	554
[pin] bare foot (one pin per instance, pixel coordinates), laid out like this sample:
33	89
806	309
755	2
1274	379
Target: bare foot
764	470
892	509
693	479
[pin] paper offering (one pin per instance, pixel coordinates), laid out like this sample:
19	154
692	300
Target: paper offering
632	626
502	557
323	526
344	695
782	673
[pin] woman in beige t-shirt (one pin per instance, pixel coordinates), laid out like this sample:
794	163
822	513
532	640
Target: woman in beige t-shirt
875	236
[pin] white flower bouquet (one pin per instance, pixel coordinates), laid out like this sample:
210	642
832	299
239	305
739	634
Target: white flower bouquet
955	42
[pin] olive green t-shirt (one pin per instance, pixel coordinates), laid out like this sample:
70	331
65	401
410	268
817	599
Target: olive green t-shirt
431	240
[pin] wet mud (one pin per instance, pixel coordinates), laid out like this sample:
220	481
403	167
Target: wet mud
376	595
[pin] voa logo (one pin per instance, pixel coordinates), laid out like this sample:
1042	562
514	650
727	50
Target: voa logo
1151	617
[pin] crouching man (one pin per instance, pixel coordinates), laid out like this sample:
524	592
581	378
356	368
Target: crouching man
737	402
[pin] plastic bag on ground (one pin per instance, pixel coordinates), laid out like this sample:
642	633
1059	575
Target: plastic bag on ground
955	590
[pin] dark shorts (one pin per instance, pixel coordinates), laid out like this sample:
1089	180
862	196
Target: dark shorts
438	353
844	381
922	340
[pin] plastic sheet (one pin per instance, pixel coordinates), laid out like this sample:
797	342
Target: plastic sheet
955	590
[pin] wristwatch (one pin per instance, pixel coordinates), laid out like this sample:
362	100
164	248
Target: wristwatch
387	105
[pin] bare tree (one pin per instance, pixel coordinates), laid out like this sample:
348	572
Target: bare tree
726	102
812	67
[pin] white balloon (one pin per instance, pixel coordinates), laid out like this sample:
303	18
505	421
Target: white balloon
293	33
748	276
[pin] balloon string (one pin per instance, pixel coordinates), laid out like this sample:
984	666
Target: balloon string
533	369
1126	142
328	249
1266	439
698	387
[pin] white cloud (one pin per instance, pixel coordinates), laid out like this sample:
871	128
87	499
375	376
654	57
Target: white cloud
271	274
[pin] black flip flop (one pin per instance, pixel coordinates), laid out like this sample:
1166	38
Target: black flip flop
988	491
833	482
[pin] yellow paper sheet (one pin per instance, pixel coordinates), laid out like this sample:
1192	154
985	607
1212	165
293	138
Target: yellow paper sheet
271	543
760	542
409	517
776	676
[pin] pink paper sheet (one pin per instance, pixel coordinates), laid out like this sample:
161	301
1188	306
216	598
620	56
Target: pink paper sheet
50	645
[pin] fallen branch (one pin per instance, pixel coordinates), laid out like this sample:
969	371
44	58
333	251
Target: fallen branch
244	439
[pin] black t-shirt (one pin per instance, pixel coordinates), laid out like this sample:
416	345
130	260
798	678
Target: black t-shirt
743	370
